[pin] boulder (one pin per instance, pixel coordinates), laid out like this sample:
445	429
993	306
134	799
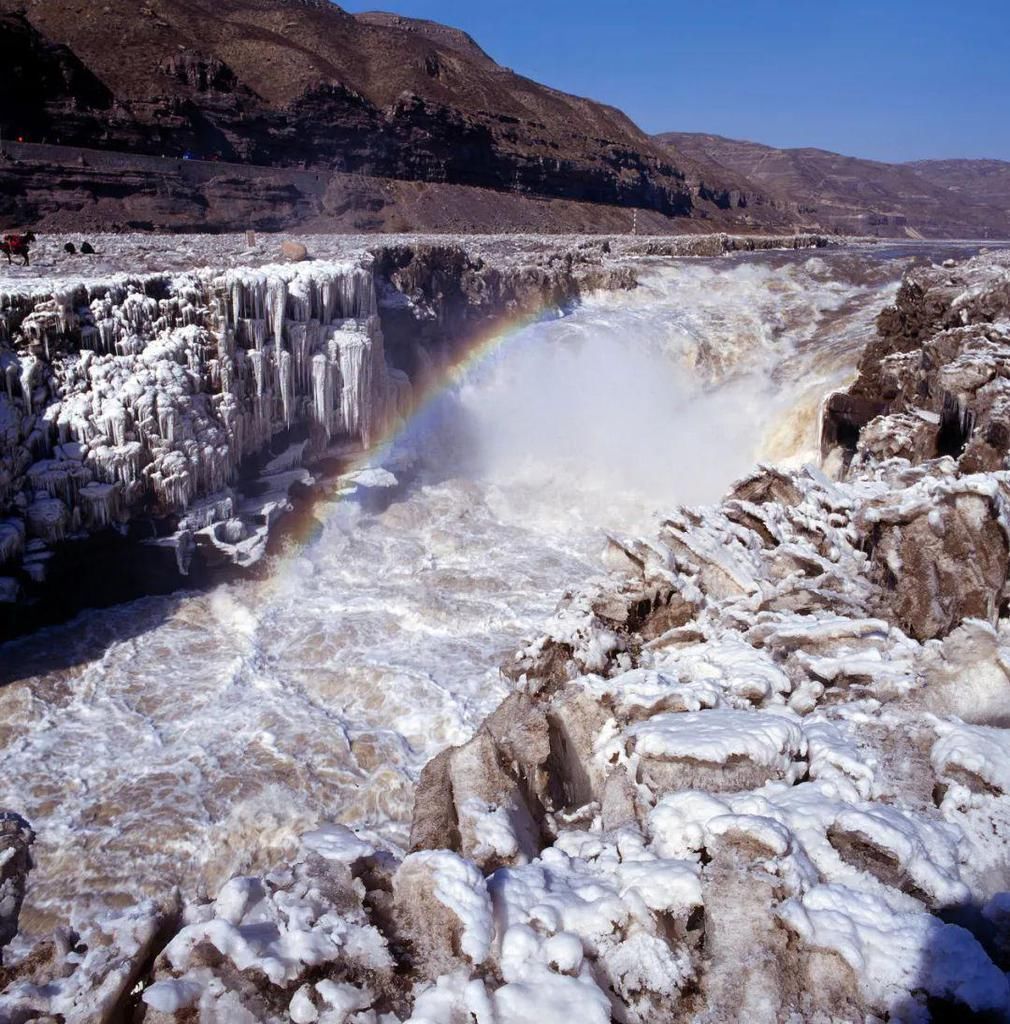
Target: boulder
294	252
943	564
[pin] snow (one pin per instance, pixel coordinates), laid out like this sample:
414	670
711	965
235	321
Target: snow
335	842
888	951
717	735
981	751
278	932
171	996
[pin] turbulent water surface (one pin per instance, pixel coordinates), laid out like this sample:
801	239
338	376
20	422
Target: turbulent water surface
179	740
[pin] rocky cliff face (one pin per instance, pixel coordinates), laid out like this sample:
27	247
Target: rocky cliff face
758	773
139	399
278	84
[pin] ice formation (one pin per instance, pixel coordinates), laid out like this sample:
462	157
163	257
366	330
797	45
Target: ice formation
756	774
143	395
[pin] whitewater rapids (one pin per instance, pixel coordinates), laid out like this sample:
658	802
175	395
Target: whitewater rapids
182	740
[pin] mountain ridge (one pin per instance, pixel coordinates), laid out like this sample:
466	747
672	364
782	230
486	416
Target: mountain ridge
361	100
854	195
288	84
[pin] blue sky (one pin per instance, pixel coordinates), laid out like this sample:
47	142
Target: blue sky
890	80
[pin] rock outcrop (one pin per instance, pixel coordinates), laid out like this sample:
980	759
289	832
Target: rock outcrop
932	389
139	400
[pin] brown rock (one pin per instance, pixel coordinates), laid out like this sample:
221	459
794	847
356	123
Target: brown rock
764	485
944	565
16	838
294	251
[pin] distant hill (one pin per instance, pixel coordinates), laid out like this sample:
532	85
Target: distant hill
935	199
304	84
984	180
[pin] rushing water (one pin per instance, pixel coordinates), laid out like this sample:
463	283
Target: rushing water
179	740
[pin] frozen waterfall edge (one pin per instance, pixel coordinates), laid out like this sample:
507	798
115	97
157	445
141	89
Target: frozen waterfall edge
180	415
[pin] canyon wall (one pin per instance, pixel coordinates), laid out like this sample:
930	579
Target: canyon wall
277	87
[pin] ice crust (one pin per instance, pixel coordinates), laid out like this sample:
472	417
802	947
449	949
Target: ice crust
729	785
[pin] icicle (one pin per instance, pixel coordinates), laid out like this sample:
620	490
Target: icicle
48	519
299	300
286	382
227	371
29	368
57	479
100	504
121	464
256	359
179	378
352	348
328	296
237	307
277	299
115	420
322	392
12	540
226	342
11	365
169	424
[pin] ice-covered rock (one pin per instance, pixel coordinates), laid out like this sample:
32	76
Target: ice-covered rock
942	547
144	396
298	944
90	972
16	838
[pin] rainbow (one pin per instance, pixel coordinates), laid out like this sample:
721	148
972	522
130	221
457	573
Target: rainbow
478	350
